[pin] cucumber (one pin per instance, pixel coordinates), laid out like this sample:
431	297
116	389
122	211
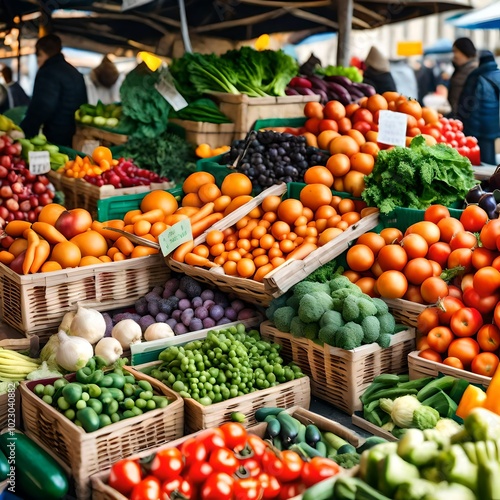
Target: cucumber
371	441
38	475
301	436
313	435
321	448
273	426
346	448
305	449
289	427
333	440
262	413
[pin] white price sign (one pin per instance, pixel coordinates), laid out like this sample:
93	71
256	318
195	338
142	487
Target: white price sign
166	88
392	128
89	146
39	162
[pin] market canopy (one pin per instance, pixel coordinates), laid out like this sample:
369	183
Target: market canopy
486	18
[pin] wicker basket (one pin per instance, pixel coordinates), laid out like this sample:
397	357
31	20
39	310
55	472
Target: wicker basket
101	490
405	311
197	417
214	134
420	367
340	376
87	453
36	303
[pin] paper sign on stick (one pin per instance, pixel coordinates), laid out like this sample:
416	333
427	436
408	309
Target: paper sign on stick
175	236
392	128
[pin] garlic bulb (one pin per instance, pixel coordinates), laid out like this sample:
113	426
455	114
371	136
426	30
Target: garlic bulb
127	332
109	349
73	353
66	321
158	331
88	324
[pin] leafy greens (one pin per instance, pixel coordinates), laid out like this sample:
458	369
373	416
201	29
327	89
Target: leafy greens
417	177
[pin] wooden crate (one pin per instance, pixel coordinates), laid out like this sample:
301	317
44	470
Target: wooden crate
36	303
104	137
405	311
282	278
214	134
244	111
420	368
101	490
340	376
89	452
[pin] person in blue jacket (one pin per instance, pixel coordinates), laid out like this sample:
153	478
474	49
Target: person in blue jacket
58	92
479	106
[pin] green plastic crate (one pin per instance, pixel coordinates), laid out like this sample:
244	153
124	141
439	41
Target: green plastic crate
213	166
117	206
280	122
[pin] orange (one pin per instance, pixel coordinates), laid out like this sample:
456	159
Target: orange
194	181
370	147
157	228
362	162
271	203
50	213
311	139
142	227
314	196
357	136
245	268
192	200
318	175
236	184
391	96
376	102
159	199
102	153
89	260
209	192
430	115
345	144
289	210
354	183
313	110
49	266
221	203
67	254
325	137
90	243
338	164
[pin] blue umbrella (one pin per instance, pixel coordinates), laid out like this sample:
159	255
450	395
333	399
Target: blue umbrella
441	46
487	18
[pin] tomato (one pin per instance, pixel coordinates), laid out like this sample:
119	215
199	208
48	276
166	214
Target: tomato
427	320
463	239
483	304
409	107
212	439
334	110
167	464
466	322
218	486
461	257
392	257
235	435
147	489
179	485
286	467
431	355
193	451
223	460
247	489
467	281
485	364
439	252
440	338
489	234
454	362
270	485
422	343
433	288
482	257
199	472
362	115
412	294
447	306
392	284
414	245
448	226
486	281
455	291
488	338
251	466
391	235
291	490
465	349
256	445
318	469
496	315
473	218
360	257
428	230
124	475
419	269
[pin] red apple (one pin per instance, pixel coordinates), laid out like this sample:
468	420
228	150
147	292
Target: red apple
73	222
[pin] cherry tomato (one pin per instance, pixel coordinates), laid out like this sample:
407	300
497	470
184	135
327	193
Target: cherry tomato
224	460
211	439
167	464
431	355
248	488
124	475
488	337
290	490
485	363
147	489
447	306
218	486
486	281
179	485
466	321
193	451
270	485
235	435
318	469
440	338
199	472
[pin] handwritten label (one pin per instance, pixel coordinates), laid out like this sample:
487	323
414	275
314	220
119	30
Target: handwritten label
132	4
39	162
89	146
166	88
175	236
392	128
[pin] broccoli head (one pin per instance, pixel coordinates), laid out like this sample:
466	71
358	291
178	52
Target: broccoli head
311	331
384	340
350	308
310	308
305	287
275	304
282	318
366	307
387	323
297	327
381	306
347	460
371	329
331	318
324	273
293	301
349	336
327	335
324	299
340	282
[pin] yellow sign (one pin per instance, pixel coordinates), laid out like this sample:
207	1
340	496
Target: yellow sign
152	62
407	49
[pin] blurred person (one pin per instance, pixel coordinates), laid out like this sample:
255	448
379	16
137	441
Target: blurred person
479	106
464	61
15	94
58	92
103	83
378	72
404	77
426	80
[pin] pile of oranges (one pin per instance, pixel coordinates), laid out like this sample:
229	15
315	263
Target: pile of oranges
100	161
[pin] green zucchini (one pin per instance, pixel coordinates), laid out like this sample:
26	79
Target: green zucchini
4	467
289	427
321	448
273	426
262	413
333	440
38	475
346	448
370	441
313	435
301	436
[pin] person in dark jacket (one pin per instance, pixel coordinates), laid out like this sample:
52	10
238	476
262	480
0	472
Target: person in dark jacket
59	91
479	106
16	96
378	72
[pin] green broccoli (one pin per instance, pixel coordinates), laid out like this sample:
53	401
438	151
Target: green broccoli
282	318
311	309
340	282
340	295
297	327
324	299
371	329
384	340
275	304
349	336
366	307
347	460
324	273
331	318
327	335
293	301
311	331
350	309
387	323
304	287
381	306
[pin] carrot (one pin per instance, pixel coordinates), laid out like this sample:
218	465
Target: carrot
155	215
302	251
16	228
262	272
42	252
125	246
127	219
196	260
49	232
189	211
111	252
142	251
33	242
181	251
6	257
205	210
202	225
172	219
109	235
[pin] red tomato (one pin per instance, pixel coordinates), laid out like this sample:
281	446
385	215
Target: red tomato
485	363
362	127
427	320
247	489
439	252
461	257
431	355
124	475
496	315
412	294
167	464
455	291
362	115
482	257
454	362
466	322
486	281
428	230
414	245
483	304
251	465
392	284
447	306
257	445
318	469
218	486
496	263
235	435
147	489
489	234
211	439
433	289
193	451
463	239
291	490
448	226
270	485
467	281
465	349
199	472
419	269
327	124
488	338
179	485
286	467
223	460
473	218
440	338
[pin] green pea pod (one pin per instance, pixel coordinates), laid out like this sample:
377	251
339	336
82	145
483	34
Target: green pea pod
84	375
107	381
117	394
94	390
100	362
96	377
129	379
91	364
145	385
118	380
88	418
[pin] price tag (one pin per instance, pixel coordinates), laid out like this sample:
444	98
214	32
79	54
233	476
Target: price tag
392	128
89	146
39	162
166	88
132	4
175	236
